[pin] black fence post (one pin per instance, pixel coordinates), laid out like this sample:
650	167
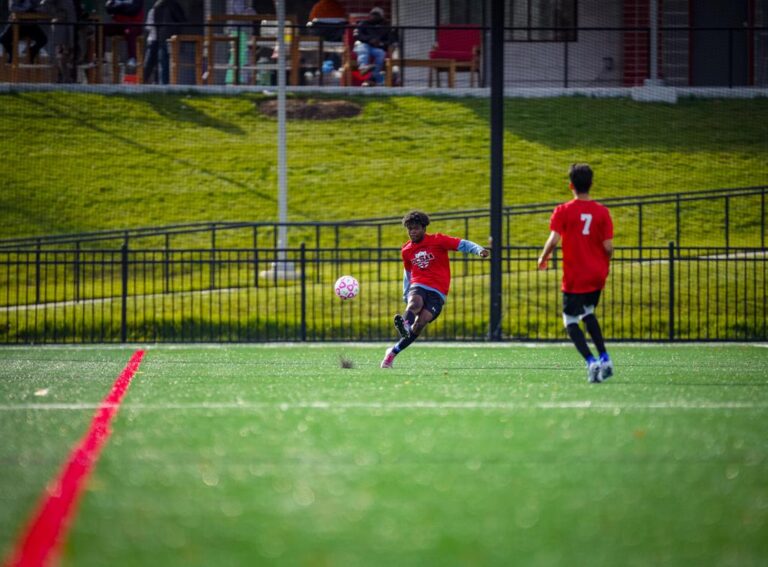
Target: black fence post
762	218
166	264
124	293
255	256
378	246
213	248
37	273
640	230
671	257
303	268
77	271
727	224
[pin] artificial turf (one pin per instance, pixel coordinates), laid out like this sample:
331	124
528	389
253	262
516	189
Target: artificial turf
458	456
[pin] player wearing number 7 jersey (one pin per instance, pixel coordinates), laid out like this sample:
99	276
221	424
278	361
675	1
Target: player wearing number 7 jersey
586	231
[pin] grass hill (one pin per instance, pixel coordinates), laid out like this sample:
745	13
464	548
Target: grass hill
76	161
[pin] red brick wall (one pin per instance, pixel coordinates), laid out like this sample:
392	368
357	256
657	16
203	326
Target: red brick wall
636	43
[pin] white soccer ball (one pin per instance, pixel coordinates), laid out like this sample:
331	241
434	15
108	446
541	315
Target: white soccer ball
346	287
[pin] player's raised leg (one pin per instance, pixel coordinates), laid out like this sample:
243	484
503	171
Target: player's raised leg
404	324
424	318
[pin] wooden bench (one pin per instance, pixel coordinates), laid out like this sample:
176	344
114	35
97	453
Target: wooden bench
437	65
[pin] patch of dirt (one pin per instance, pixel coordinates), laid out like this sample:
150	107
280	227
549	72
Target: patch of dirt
313	109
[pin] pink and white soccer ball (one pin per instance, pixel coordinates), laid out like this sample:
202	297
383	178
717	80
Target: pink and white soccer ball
346	287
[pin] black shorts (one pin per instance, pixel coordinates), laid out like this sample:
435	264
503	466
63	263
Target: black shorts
432	300
574	304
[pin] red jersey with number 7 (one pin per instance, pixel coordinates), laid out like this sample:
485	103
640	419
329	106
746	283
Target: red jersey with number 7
583	226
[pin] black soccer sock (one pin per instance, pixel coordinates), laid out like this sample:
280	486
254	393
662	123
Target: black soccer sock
579	340
593	328
402	344
410	317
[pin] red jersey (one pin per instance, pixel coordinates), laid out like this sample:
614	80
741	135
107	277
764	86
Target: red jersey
583	226
427	261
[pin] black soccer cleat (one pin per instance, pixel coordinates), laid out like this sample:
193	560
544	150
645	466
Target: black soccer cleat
402	327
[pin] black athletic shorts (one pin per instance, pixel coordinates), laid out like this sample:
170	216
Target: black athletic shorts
432	300
574	303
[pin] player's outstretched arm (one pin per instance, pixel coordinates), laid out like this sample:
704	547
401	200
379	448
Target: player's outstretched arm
549	247
469	247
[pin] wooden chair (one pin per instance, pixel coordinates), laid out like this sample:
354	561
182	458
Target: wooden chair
462	44
41	71
174	56
136	76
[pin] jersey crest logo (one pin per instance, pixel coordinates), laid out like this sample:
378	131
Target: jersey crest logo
422	259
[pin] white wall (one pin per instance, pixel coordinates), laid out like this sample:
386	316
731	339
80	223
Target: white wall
534	64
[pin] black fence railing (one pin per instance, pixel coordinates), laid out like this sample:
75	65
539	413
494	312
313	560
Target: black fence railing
665	293
239	50
651	220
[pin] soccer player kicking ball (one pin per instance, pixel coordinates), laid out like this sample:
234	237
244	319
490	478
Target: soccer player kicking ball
426	278
586	230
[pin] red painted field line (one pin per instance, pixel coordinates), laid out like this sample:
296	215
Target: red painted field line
40	543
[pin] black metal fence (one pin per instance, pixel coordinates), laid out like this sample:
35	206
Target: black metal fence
239	51
665	293
717	217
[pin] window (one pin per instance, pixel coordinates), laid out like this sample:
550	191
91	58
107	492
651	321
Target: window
533	20
541	20
460	12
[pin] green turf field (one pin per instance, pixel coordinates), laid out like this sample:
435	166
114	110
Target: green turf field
250	455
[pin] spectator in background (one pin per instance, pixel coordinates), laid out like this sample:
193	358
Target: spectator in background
374	36
327	19
162	22
31	32
63	14
127	21
328	9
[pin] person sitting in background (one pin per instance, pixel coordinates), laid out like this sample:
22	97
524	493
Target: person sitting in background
162	23
63	13
374	36
127	21
33	33
328	19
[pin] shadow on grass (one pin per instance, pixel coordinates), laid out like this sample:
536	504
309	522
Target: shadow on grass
174	108
80	116
622	124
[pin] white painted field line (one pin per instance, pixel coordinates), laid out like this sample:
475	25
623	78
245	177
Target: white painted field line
398	406
365	345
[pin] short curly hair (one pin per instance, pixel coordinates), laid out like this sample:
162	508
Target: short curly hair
416	217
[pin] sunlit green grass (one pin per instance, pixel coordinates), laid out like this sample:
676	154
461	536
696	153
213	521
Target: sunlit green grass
252	455
77	162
